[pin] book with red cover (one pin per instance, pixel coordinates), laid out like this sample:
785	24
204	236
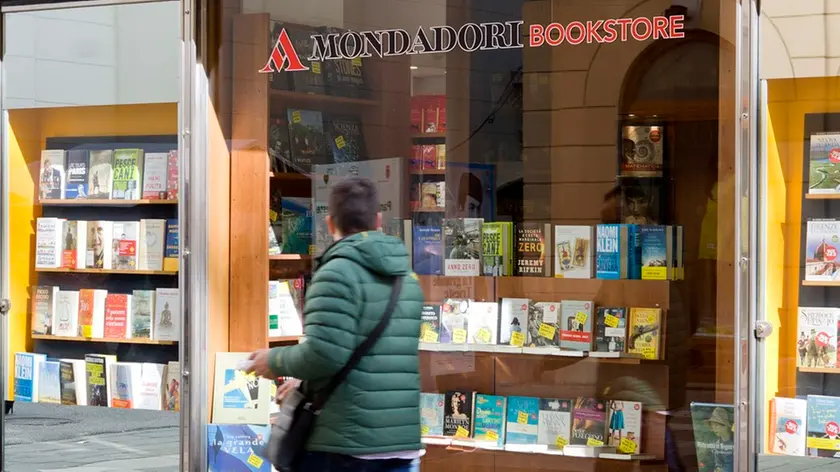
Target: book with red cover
117	309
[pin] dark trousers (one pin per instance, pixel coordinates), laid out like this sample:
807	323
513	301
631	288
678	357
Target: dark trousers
326	462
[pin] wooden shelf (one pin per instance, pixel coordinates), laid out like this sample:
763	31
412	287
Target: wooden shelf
283	339
419	136
429	172
290	257
289	177
822	196
313	99
49	337
821	283
106	271
819	370
106	202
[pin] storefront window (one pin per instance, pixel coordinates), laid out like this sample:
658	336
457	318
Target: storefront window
562	174
90	242
800	141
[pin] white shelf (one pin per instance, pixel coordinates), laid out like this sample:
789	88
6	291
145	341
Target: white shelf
592	452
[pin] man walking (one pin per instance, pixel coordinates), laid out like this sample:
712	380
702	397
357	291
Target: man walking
371	423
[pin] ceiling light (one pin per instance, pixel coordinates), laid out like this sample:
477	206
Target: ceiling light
413	67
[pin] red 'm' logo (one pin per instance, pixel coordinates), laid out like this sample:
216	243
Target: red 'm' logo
283	54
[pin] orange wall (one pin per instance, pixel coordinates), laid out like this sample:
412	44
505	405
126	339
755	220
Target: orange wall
28	131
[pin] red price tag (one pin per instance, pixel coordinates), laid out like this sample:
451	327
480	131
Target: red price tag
830	253
791	426
823	339
834	155
832	429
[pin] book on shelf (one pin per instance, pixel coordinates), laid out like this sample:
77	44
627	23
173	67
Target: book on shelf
172	175
125	245
48	243
128	174
66	313
124	384
27	376
345	140
143	306
306	138
166	322
285	317
713	426
573	252
816	341
49	383
78	167
118	311
787	426
44	308
237	447
454	316
462	246
98	378
155	175
554	425
311	80
624	426
152	244
92	312
274	248
589	417
644	332
73	251
513	321
101	174
532	258
172	388
73	387
523	416
497	248
345	77
433	195
642	151
610	329
100	248
150	393
824	163
430	323
238	397
297	232
431	414
52	178
278	144
575	332
823	418
171	255
617	252
821	246
483	323
490	419
544	324
657	248
427	250
459	414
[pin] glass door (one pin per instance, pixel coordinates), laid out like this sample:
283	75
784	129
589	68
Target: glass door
90	106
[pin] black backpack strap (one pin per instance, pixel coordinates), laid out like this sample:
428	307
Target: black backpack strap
323	395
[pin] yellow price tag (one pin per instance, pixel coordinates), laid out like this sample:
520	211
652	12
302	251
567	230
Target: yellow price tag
581	317
561	442
272	215
522	418
357	61
424	430
483	335
312	249
627	446
316	67
430	336
459	336
462	432
611	321
517	339
339	141
492	435
255	460
87	331
594	442
547	330
296	117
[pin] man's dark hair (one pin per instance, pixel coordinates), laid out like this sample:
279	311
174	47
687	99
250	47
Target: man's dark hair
354	205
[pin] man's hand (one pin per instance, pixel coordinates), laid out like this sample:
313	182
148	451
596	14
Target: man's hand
260	365
285	388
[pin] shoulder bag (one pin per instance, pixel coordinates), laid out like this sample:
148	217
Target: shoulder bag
294	424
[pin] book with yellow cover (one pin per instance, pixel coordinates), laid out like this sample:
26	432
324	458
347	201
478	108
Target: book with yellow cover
645	332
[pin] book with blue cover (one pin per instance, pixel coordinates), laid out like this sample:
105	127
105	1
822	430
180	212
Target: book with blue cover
49	388
609	241
634	252
431	414
490	418
345	139
657	260
823	423
428	250
523	414
296	219
27	375
237	448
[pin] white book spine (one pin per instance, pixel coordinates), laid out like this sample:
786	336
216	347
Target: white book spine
152	241
81	244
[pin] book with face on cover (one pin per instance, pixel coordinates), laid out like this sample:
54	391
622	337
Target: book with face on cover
125	245
239	398
459	413
99	245
544	324
52	180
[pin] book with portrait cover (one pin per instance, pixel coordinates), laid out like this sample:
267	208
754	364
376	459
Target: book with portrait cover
459	412
52	178
824	163
589	422
237	448
532	256
462	246
100	247
714	436
74	244
544	324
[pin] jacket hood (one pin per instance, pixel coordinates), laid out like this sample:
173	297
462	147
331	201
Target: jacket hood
377	252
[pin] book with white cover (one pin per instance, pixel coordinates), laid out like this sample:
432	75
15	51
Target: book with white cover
283	316
573	252
125	245
152	241
48	243
124	384
513	317
483	323
816	338
92	312
152	377
172	388
555	421
155	174
49	380
52	179
787	426
27	376
99	244
67	314
167	315
239	398
73	388
143	305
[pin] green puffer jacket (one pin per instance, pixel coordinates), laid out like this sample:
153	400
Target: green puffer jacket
377	409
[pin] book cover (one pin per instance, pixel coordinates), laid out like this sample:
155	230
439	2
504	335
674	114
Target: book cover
100	178
172	175
78	167
532	259
345	138
431	414
44	301
523	417
237	448
171	254
98	376
787	426
73	388
555	422
490	421
117	316
544	324
644	332
296	220
172	388
609	263
92	313
124	384
48	243
823	237
155	175
125	245
642	151
823	423
513	318
143	306
74	245
128	174
27	376
306	138
239	398
462	246
589	426
346	77
714	436
312	80
52	179
641	201
428	250
66	313
430	323
49	383
150	391
817	340
573	252
167	320
278	145
454	316
458	414
151	244
610	329
497	249
824	163
98	254
483	323
656	252
432	195
285	317
624	426
576	325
